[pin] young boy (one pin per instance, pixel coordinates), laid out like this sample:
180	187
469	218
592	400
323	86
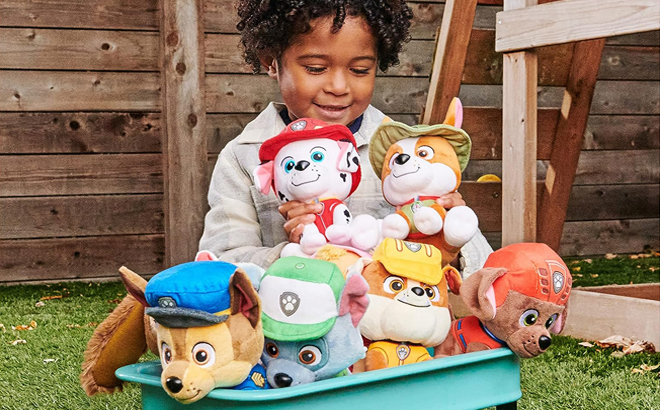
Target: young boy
324	56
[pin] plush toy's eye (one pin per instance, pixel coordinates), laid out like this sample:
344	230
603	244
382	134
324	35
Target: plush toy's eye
165	353
310	355
272	350
425	152
317	156
288	166
203	354
393	284
529	317
551	321
432	293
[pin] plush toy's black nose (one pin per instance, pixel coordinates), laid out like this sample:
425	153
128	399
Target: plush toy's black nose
174	384
544	342
301	165
283	380
402	159
418	291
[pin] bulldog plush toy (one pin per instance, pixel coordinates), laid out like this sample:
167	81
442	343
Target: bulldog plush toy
518	298
408	305
311	161
418	164
310	320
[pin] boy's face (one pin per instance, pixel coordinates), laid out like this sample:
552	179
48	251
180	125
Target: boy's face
328	76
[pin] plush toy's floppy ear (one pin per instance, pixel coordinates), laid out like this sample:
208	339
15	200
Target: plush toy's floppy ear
478	294
205	256
244	298
454	113
349	161
135	284
559	324
354	299
263	177
454	280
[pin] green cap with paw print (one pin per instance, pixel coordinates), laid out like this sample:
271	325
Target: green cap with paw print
300	298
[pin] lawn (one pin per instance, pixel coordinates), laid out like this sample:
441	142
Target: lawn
43	371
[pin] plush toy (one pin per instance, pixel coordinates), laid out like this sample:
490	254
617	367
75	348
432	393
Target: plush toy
209	327
311	161
124	336
408	309
417	164
517	299
310	320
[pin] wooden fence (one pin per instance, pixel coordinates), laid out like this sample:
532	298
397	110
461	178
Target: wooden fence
81	131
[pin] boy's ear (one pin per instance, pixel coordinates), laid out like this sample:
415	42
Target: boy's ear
270	64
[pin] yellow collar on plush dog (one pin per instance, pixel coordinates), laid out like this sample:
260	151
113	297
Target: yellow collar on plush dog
223	312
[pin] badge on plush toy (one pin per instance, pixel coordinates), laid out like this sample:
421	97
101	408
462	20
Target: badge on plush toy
311	161
418	164
310	320
517	299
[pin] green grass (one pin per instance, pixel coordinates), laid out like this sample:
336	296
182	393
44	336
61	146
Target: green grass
568	376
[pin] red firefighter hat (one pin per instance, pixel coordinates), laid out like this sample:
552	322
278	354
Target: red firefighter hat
307	129
534	270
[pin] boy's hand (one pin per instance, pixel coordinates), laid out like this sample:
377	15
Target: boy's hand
297	215
451	200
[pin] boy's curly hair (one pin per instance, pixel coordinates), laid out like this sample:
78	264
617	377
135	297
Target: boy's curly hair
267	26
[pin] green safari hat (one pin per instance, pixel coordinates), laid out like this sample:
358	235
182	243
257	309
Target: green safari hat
391	132
300	298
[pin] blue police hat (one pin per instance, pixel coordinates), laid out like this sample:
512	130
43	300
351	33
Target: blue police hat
192	294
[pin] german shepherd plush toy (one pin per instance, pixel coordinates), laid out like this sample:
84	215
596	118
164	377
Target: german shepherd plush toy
208	329
417	164
313	161
408	305
517	299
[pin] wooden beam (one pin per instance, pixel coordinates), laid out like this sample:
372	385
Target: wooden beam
184	115
573	20
568	140
449	58
519	142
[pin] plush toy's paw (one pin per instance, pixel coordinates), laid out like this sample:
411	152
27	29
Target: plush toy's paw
461	225
394	226
293	249
427	220
338	234
311	242
365	232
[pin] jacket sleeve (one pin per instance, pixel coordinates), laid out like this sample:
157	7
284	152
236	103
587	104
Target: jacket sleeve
232	230
473	254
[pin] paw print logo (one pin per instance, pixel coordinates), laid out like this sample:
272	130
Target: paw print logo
557	281
299	125
166	302
412	246
289	303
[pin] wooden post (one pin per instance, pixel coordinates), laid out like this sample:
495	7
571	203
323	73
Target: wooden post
184	142
519	142
568	140
449	58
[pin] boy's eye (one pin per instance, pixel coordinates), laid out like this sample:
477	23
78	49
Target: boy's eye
314	69
361	71
289	166
317	156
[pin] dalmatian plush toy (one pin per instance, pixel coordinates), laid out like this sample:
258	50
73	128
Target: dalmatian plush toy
311	161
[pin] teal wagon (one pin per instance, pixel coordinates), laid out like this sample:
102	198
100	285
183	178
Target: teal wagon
469	381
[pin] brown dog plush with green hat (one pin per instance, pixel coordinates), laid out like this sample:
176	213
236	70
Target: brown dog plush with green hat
418	164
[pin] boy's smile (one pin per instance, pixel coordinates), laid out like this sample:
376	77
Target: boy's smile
328	76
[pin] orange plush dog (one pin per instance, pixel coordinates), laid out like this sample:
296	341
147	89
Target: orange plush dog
408	306
517	299
417	165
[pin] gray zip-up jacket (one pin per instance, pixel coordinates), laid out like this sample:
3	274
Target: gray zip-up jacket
243	225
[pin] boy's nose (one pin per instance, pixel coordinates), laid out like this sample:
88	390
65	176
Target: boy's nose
337	83
302	165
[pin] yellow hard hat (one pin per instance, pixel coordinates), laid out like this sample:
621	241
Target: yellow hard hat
417	261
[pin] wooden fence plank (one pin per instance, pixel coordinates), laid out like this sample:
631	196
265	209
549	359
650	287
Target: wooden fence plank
568	140
26	260
42	175
27	48
184	127
620	236
46	217
78	91
62	132
622	132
